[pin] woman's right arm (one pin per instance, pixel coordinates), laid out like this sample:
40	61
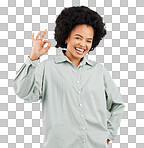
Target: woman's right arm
27	83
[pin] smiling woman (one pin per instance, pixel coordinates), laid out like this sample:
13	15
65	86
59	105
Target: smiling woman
76	92
79	29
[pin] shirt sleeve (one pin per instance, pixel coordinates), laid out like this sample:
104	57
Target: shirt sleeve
114	103
27	83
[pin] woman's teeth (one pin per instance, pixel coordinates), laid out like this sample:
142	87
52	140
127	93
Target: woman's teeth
80	49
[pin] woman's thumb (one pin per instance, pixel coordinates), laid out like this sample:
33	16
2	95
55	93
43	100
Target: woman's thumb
48	46
46	41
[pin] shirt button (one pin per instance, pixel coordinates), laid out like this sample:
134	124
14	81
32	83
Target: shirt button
79	92
83	140
80	104
82	116
77	81
83	128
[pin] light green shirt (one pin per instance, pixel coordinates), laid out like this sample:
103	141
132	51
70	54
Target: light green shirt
74	100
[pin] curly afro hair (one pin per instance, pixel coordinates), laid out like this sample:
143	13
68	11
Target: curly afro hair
76	15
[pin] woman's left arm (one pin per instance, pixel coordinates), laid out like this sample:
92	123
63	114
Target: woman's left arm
114	102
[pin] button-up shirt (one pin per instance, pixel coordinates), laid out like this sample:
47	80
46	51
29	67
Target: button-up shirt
75	100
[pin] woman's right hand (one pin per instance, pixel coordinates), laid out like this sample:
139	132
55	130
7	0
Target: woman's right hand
38	44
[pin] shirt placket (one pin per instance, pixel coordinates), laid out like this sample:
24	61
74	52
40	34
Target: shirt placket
78	85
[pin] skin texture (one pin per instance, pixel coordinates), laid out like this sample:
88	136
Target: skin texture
79	41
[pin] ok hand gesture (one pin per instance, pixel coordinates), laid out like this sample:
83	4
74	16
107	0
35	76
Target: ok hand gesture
38	44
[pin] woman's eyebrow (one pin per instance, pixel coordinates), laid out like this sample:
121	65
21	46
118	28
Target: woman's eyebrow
81	36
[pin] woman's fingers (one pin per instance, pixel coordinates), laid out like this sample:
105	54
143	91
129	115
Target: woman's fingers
44	33
46	41
48	46
108	141
38	35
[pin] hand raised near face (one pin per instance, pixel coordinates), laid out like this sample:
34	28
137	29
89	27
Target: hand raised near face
38	45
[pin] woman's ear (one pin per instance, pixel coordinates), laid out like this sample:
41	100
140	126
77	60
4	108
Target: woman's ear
66	41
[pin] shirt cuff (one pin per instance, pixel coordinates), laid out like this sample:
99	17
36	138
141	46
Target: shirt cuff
35	62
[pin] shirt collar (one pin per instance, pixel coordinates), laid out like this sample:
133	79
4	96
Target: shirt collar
61	57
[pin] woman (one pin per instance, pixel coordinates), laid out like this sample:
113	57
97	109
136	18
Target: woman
75	92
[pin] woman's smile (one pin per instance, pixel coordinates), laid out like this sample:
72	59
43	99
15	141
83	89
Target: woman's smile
79	51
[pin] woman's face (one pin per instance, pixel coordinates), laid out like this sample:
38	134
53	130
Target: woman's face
81	37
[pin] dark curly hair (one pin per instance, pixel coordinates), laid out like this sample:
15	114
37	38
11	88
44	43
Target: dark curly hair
76	15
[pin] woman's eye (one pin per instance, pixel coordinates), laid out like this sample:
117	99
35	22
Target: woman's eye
79	38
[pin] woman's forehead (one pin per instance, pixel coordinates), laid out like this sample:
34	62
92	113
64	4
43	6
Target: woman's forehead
83	30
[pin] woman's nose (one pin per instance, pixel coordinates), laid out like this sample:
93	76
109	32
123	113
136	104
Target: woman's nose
82	43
